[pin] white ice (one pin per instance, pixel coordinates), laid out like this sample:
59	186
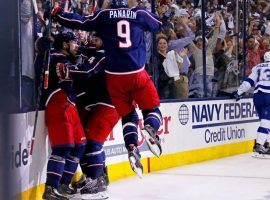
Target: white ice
239	177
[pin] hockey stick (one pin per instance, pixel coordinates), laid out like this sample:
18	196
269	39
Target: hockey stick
43	82
46	74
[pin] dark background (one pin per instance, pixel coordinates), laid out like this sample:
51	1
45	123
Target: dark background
9	51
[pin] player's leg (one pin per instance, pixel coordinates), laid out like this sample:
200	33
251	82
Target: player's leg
262	135
78	185
130	132
119	87
148	101
55	169
267	142
152	122
72	162
76	153
95	184
101	121
64	130
263	111
61	139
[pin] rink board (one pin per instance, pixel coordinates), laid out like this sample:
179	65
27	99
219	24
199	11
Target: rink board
192	131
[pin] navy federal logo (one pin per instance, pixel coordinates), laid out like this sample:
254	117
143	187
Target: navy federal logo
183	114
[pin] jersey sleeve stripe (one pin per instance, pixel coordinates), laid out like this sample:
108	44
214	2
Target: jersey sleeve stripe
250	81
149	15
79	21
58	55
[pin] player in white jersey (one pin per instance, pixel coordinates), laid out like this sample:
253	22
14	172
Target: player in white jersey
260	79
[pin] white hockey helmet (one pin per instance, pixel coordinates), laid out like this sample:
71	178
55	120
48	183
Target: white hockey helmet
266	56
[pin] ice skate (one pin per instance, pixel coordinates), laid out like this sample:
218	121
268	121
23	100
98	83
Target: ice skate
260	151
94	189
266	145
134	160
67	191
152	140
51	193
266	155
78	185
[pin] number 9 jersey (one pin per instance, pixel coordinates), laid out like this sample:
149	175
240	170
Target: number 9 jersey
121	31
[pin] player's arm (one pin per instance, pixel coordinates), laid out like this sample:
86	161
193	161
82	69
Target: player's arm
150	21
74	20
87	69
80	71
249	82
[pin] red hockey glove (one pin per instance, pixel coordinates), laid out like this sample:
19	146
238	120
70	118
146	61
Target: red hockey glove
56	10
62	71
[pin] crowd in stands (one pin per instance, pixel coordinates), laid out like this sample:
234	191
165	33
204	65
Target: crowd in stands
178	59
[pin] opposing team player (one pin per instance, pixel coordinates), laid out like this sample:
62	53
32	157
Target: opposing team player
65	131
260	79
121	30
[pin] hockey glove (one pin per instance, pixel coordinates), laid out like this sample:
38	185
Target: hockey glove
62	71
236	96
56	10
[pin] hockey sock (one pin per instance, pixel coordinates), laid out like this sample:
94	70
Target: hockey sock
94	157
56	165
130	128
72	162
263	131
153	118
104	161
70	169
83	164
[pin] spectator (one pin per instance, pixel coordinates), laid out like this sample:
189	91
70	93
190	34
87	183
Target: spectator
196	87
185	37
173	65
220	62
165	83
254	53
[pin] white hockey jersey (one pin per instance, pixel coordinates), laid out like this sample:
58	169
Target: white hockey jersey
259	77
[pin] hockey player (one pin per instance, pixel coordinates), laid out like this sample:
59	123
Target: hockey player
260	79
65	131
98	117
121	30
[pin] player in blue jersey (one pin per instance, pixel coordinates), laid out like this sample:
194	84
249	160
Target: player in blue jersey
121	30
65	131
98	117
260	79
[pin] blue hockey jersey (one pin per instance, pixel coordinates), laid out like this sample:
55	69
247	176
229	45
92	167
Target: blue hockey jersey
122	33
55	84
89	80
80	69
